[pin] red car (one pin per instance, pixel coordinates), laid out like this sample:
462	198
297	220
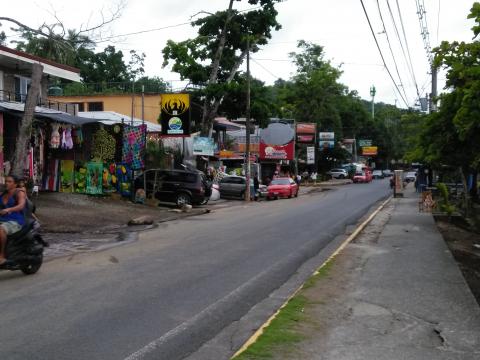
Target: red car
282	187
364	176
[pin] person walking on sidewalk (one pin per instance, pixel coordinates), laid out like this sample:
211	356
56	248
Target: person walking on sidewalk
11	213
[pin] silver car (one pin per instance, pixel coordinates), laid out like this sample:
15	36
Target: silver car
338	173
233	186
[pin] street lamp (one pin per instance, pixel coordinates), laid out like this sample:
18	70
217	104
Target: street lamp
373	91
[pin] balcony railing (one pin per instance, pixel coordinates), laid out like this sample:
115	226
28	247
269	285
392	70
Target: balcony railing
10	96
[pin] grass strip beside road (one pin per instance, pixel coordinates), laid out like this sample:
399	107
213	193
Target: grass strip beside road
281	329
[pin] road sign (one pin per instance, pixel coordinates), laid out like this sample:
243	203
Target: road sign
363	143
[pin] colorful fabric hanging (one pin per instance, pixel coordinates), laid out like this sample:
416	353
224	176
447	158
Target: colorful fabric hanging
94	178
134	145
67	176
55	138
52	178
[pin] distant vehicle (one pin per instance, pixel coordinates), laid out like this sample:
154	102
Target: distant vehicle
410	176
364	176
387	173
233	186
177	186
282	187
338	173
377	174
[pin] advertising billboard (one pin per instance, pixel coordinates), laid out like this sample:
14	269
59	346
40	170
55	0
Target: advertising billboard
369	150
310	155
326	136
277	141
175	114
203	146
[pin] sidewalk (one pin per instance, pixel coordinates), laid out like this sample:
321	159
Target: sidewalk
394	293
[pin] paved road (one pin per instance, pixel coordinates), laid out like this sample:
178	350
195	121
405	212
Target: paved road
162	297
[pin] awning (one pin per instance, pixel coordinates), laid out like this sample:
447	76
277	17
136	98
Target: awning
112	118
17	109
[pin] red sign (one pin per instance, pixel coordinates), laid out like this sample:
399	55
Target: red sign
306	138
277	152
306	128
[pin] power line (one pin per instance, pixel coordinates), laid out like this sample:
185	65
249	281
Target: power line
391	50
422	18
264	68
408	48
381	54
407	61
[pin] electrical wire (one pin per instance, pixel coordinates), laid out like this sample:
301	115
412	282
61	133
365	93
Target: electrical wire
381	54
407	61
391	50
264	68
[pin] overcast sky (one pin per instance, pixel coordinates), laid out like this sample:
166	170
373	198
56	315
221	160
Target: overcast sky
338	25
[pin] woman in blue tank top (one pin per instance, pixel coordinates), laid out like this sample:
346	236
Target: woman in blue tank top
11	212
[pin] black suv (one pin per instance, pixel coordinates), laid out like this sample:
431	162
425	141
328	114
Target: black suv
177	186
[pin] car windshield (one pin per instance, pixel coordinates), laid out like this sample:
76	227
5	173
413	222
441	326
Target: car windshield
280	182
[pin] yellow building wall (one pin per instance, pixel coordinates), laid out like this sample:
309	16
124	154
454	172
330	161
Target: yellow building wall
121	104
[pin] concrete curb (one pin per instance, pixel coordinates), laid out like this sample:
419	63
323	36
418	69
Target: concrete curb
347	241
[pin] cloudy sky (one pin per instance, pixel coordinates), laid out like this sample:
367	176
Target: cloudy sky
338	25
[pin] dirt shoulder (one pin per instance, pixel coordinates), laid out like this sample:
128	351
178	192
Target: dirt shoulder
465	247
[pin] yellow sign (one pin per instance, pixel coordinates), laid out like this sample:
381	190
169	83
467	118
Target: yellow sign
369	150
175	115
175	104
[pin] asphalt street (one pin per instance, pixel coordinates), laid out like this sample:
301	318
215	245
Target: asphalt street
165	295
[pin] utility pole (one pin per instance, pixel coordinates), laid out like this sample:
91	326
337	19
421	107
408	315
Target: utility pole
433	95
247	128
373	91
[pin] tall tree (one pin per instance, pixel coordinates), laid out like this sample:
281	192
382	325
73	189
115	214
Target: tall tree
212	59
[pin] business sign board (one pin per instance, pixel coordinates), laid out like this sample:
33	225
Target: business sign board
277	141
203	146
363	143
326	144
326	136
175	114
277	152
306	128
310	155
369	150
308	139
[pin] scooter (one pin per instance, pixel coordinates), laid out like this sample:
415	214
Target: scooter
24	249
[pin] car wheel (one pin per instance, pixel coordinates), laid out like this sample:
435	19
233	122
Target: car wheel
183	199
242	195
296	194
341	176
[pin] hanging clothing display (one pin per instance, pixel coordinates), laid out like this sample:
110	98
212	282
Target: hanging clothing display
55	138
94	178
67	175
134	146
52	178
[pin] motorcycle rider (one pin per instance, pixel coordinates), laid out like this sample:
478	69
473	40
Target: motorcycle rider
11	213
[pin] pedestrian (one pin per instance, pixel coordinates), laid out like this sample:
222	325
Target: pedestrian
314	177
298	179
256	186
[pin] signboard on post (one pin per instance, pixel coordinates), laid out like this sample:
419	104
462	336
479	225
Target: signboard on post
369	150
326	144
326	136
175	114
363	143
310	155
203	146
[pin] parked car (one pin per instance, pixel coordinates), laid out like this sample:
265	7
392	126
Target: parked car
177	186
338	173
364	176
282	187
387	173
410	176
233	186
377	174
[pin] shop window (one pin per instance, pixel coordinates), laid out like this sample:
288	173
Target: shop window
95	106
81	106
